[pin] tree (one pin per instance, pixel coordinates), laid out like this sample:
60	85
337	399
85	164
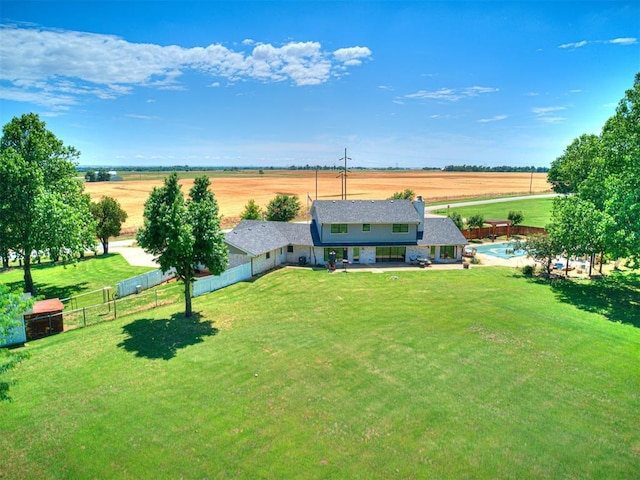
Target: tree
12	304
407	194
184	234
515	217
251	211
109	217
604	171
578	228
103	175
457	219
475	221
283	208
41	203
574	166
90	176
621	151
542	248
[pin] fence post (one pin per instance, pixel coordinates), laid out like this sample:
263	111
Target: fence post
84	315
115	310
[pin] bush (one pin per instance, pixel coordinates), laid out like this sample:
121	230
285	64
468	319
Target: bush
528	270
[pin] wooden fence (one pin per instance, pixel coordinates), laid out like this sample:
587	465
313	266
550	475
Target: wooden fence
485	232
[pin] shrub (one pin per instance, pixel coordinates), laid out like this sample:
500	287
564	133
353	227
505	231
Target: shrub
528	270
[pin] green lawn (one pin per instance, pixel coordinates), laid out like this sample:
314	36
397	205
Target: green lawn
86	275
537	211
477	373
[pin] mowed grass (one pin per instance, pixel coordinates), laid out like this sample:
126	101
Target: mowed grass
86	275
536	211
476	373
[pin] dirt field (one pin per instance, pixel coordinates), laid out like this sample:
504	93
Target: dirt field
234	191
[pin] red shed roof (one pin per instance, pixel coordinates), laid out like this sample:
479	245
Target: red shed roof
48	306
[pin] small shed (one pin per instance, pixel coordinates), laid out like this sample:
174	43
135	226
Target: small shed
44	319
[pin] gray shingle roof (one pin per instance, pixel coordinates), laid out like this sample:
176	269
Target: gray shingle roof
366	211
441	231
256	237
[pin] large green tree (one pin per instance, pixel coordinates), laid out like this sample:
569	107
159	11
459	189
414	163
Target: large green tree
109	217
605	172
283	208
42	206
578	228
184	234
574	166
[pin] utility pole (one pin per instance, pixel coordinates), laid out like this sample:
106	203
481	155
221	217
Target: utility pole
531	182
344	176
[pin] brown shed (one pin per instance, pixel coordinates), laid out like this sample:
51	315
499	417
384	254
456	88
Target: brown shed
44	319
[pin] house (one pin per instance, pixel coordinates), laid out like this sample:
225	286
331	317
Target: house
360	231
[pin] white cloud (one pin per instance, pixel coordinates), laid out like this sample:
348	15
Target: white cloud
615	41
352	56
141	117
546	110
57	66
624	41
475	91
450	94
546	114
573	44
496	118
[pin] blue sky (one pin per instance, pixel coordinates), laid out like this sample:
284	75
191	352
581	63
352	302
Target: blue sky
407	84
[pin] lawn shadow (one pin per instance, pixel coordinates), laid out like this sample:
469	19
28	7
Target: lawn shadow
162	338
45	290
616	296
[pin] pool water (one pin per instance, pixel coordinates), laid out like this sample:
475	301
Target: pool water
499	250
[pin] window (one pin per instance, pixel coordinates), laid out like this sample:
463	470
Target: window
366	227
400	228
447	251
268	255
290	248
338	228
390	254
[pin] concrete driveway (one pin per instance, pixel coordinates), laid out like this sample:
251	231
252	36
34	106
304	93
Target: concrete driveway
133	254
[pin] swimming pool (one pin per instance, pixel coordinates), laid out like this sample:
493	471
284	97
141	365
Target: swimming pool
499	250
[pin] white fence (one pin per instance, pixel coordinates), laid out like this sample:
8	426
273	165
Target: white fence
142	282
215	282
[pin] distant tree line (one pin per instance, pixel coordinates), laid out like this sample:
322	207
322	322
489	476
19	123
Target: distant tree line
501	168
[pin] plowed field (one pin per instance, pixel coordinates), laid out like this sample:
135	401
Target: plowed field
234	189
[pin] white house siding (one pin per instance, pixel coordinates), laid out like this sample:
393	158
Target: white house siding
262	264
367	254
299	251
236	259
417	251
